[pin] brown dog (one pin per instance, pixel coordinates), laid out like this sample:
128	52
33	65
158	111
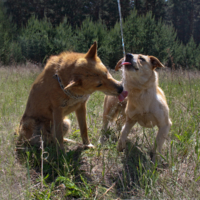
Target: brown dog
64	86
146	102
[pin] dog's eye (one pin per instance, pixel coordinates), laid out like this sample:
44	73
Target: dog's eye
99	85
142	59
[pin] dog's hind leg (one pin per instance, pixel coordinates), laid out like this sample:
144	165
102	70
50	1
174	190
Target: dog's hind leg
112	109
66	126
107	118
160	139
57	127
26	129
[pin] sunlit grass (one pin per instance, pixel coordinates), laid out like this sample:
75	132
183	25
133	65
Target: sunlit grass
103	173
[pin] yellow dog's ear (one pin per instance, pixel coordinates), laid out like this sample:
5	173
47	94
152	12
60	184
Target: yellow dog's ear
155	62
92	52
119	64
72	84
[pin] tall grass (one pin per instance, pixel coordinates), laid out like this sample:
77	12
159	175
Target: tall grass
103	173
14	89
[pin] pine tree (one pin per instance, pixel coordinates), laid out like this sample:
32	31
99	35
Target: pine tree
157	7
64	39
142	34
35	39
192	54
75	10
182	17
133	33
88	33
196	23
114	45
9	50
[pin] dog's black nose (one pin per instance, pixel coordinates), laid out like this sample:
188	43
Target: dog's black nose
129	56
120	89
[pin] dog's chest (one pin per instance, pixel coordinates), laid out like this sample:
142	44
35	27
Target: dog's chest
146	120
66	103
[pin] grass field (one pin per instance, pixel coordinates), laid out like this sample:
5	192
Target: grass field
103	173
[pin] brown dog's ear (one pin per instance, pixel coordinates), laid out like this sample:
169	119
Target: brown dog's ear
92	52
119	64
72	83
155	62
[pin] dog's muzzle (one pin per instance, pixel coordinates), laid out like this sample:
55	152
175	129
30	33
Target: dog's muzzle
130	59
120	89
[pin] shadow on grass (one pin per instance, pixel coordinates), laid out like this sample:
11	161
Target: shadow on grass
136	164
134	170
54	163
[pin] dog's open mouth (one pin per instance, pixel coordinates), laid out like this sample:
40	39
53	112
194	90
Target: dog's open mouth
122	96
129	65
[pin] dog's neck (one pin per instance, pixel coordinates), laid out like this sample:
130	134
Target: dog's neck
67	92
131	84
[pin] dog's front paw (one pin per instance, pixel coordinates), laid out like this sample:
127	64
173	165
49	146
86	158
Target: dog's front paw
121	145
90	146
154	157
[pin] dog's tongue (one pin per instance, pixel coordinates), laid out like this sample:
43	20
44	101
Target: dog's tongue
126	63
122	96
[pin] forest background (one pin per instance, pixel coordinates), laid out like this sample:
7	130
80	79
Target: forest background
32	30
35	29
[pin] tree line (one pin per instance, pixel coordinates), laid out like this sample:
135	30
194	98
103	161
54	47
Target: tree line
36	29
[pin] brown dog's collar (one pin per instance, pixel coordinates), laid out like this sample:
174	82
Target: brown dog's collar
67	92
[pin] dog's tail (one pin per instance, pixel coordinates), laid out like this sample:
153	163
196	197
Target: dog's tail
66	130
69	140
66	126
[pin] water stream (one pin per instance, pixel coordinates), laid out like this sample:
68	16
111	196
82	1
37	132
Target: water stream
120	17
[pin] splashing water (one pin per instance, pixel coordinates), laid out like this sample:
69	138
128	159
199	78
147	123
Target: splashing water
120	17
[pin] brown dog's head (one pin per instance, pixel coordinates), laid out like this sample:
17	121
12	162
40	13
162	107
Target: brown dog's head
90	74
